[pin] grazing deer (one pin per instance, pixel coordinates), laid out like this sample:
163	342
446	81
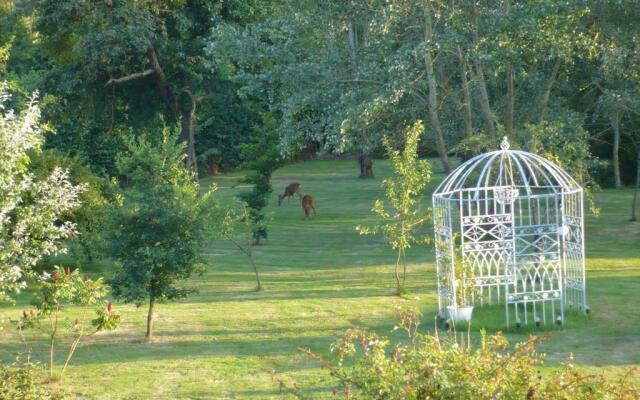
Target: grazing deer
289	191
307	205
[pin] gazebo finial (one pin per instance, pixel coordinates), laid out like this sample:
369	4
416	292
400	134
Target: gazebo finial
504	145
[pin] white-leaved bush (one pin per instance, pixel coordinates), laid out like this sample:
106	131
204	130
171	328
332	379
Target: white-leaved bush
32	223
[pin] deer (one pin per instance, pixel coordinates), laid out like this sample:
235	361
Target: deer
289	191
307	205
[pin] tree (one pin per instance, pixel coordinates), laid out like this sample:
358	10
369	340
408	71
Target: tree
312	60
264	160
120	64
433	91
33	210
401	216
243	236
634	201
159	224
617	72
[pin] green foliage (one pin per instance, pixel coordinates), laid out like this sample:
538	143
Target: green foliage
33	210
25	382
62	288
264	159
463	284
88	217
448	366
238	228
401	215
566	143
474	145
158	224
99	69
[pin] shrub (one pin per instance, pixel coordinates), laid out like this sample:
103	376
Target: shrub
25	382
33	211
263	160
87	217
448	366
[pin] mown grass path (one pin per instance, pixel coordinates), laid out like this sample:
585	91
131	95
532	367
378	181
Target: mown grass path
321	278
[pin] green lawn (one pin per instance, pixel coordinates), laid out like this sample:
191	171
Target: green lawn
320	279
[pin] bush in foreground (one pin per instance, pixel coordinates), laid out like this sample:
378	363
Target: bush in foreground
25	382
448	366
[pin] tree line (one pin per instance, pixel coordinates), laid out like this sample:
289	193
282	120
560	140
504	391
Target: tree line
332	77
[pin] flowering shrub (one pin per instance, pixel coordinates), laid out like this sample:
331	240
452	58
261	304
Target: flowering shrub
447	366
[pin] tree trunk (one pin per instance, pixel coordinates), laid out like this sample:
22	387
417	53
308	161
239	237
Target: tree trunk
510	101
467	115
433	95
510	91
483	97
186	116
366	165
255	270
353	41
352	38
399	288
615	159
547	89
152	302
485	105
634	203
187	136
53	341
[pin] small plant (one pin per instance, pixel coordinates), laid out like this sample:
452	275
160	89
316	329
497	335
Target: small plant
401	216
464	288
263	158
242	237
65	288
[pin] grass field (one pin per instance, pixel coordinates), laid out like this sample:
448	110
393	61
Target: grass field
321	278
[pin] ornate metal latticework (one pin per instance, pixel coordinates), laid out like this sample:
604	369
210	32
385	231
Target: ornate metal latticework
516	220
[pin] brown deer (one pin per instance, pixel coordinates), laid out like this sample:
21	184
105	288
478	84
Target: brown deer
307	205
289	191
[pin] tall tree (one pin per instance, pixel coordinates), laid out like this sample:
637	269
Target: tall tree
125	63
433	91
313	58
618	70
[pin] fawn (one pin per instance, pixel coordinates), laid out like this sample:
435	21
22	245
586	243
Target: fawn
307	205
289	191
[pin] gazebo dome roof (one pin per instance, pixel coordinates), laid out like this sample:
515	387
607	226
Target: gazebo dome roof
526	172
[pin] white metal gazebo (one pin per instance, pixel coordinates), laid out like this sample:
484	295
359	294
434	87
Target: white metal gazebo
516	220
